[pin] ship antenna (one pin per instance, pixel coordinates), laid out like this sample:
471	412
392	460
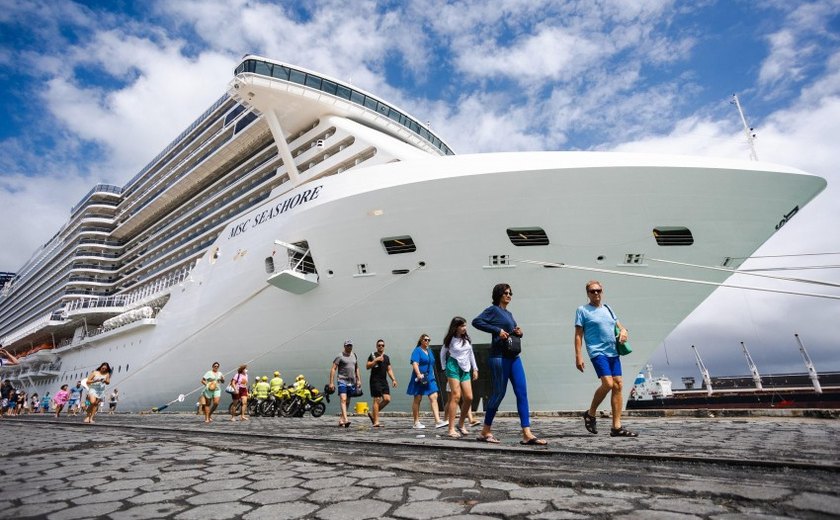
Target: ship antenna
706	378
812	370
748	130
753	369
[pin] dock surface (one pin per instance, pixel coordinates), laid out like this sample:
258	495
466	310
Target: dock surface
176	466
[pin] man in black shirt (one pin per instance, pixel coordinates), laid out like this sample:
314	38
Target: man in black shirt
379	365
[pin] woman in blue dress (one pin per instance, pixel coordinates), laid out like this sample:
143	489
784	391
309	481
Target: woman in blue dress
422	382
504	367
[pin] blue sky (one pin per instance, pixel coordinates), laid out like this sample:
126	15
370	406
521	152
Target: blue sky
91	91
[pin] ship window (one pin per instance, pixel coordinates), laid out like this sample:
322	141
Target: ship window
313	81
342	92
673	236
370	103
361	268
399	245
357	98
634	259
297	77
527	236
328	86
280	72
263	68
269	265
400	271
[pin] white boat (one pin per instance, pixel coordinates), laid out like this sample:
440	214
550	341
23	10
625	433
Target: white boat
300	211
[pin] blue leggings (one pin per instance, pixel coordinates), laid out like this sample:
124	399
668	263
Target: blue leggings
503	370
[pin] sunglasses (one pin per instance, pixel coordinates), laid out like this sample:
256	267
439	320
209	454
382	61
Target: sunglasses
427	339
594	291
508	293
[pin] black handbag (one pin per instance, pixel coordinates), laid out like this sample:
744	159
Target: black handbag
510	347
357	391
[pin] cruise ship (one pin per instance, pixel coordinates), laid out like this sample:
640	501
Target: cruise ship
300	211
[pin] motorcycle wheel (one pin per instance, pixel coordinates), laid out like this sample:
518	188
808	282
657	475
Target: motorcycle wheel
318	409
252	407
234	407
288	408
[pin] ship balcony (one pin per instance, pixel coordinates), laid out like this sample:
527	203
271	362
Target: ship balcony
137	214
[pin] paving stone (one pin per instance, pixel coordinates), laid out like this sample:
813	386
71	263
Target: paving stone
559	515
417	493
117	485
33	509
17	492
218	511
729	488
428	509
59	495
161	496
215	497
656	515
357	510
592	505
286	511
92	510
385	482
105	496
166	485
148	511
542	493
275	483
449	483
499	484
222	484
685	505
510	507
614	494
369	473
816	502
391	494
333	495
87	483
273	496
747	516
336	482
180	475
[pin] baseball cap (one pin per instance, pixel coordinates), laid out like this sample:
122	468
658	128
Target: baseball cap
348	343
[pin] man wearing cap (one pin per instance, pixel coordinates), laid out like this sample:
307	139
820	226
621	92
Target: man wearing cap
346	365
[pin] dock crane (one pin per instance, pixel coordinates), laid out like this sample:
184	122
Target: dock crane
705	373
753	369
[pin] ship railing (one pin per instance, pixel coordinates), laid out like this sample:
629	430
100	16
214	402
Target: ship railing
120	302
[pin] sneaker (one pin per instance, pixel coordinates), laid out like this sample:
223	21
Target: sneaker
441	424
419	426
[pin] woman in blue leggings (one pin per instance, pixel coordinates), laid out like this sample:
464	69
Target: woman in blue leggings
499	322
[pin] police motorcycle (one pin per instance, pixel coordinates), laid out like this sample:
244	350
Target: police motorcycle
305	398
259	397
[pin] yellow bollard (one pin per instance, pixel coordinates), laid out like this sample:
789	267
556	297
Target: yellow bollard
361	407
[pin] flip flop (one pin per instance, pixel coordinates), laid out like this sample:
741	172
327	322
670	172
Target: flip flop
534	441
475	423
347	424
463	431
454	435
487	438
377	426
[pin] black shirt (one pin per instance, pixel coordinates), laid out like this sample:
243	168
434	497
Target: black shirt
379	371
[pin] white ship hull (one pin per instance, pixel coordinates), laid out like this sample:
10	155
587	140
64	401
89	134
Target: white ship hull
595	209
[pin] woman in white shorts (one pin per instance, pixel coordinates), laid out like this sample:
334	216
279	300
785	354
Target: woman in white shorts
96	382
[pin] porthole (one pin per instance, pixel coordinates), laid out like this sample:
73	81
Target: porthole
119	369
600	259
126	367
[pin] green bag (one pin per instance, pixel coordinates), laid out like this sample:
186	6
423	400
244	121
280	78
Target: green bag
622	348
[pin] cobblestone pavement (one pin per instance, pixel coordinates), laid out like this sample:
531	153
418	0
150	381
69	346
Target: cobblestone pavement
175	466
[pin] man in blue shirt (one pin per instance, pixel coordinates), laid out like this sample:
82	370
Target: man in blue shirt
595	323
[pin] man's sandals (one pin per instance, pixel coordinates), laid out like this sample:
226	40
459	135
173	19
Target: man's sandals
621	432
589	421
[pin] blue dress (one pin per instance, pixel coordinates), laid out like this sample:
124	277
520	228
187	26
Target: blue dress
426	364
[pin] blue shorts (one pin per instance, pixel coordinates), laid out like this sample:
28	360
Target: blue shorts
345	388
606	366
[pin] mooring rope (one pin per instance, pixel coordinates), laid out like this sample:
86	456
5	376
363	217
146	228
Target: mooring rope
746	273
674	279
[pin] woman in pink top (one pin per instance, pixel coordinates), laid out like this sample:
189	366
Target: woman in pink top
240	381
60	399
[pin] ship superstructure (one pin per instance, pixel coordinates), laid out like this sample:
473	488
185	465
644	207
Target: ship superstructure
299	211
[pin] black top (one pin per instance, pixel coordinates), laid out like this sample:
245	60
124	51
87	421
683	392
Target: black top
379	371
